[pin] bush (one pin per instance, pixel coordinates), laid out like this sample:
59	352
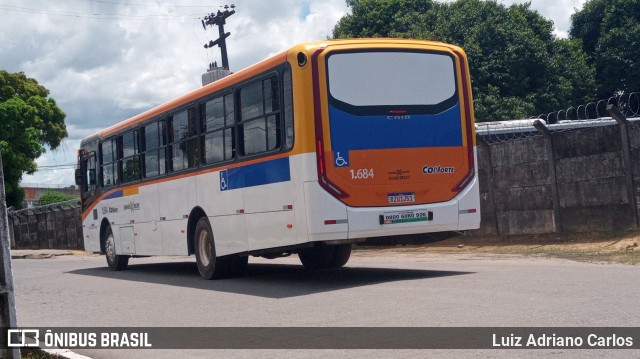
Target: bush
50	197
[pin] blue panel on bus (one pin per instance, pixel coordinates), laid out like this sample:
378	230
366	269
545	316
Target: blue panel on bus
351	132
115	194
256	174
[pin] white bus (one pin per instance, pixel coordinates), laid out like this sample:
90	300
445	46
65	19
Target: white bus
325	145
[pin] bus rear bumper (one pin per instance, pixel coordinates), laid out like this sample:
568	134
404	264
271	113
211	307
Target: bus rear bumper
332	220
370	222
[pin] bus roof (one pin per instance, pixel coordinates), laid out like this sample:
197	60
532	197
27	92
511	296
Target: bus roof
243	75
191	96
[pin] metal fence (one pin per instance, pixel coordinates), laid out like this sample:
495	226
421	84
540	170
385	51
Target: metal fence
592	114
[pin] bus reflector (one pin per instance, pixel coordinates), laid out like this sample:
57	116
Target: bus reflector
398	112
287	207
335	221
466	211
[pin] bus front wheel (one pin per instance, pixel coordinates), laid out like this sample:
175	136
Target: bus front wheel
116	262
205	249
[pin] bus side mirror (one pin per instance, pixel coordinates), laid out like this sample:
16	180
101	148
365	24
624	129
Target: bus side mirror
79	177
92	177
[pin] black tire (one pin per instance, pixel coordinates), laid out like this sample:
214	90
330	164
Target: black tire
115	261
231	265
317	257
210	266
238	265
205	249
341	255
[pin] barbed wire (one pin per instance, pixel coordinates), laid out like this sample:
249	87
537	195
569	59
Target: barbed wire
54	207
627	103
592	114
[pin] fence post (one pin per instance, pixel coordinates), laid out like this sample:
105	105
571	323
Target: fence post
622	121
7	296
551	158
492	190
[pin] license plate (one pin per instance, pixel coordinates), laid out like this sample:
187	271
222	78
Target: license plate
404	217
406	197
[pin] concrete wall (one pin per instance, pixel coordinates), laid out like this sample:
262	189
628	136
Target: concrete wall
56	226
572	181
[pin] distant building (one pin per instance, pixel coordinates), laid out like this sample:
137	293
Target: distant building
32	193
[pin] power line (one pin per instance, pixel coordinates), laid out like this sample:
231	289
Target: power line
149	5
60	165
54	169
97	16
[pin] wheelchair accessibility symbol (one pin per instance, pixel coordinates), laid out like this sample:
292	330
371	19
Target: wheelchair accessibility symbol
223	180
341	161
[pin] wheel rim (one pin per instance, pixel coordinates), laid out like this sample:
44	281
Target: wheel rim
204	247
110	247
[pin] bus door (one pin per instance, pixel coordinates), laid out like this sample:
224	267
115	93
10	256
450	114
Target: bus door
86	179
86	176
394	131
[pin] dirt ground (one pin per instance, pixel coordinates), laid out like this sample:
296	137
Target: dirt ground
584	247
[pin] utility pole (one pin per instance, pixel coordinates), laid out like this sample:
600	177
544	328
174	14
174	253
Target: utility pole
7	297
219	20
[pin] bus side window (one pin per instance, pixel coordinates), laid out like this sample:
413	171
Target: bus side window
260	115
109	162
183	140
130	160
217	140
154	149
288	108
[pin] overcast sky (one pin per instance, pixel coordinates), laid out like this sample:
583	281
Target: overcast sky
107	60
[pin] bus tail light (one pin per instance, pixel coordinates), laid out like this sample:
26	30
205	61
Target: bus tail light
324	182
469	124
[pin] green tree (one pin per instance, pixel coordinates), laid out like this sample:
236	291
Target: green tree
610	34
50	197
29	120
518	67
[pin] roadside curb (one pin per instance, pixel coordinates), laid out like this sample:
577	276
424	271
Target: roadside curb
37	254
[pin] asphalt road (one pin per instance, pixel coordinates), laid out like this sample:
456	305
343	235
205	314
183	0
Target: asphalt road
374	290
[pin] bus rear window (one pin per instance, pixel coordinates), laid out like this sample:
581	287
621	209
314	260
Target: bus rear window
391	78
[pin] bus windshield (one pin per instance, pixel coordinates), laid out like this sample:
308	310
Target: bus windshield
391	78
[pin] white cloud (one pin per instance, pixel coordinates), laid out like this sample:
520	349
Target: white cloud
104	62
559	11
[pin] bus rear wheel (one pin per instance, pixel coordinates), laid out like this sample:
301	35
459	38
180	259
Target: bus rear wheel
341	255
325	256
116	262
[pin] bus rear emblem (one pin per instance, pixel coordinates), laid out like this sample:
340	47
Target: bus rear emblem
428	170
